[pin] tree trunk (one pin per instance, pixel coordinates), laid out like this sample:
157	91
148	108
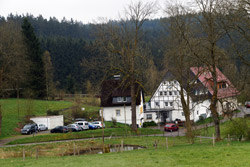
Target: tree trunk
0	119
133	106
215	116
188	125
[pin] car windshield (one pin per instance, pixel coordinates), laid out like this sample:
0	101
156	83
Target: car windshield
168	125
26	126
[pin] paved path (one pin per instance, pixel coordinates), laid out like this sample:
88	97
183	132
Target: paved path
9	139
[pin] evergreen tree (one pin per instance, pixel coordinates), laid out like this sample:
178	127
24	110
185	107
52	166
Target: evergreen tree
36	75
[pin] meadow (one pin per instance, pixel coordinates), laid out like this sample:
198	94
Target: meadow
179	153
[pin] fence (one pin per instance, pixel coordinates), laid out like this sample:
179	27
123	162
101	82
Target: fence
94	146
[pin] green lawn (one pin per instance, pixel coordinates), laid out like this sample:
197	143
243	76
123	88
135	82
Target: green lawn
38	108
197	155
86	134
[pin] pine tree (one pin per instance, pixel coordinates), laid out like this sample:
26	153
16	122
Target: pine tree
36	75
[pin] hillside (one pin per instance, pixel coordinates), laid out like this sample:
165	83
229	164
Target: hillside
10	118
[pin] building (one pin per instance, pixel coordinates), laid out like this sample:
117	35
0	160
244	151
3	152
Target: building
49	121
165	104
116	102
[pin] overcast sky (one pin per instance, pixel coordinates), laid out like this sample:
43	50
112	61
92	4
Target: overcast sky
80	10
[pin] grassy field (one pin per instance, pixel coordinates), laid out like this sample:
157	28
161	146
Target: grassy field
236	154
86	134
37	107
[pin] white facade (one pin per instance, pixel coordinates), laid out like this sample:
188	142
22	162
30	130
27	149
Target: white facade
123	113
166	102
49	121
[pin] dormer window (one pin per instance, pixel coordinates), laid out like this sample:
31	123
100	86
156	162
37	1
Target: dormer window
121	99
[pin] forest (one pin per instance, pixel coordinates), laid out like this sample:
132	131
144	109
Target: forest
75	59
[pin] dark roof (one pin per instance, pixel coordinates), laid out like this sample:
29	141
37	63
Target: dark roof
115	88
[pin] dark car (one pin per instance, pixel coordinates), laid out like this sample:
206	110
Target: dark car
171	127
29	129
59	129
92	126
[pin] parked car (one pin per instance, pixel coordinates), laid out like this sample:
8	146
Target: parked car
74	128
83	124
247	104
171	127
92	126
59	129
98	124
42	127
29	129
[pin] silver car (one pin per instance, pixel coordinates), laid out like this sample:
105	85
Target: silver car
42	127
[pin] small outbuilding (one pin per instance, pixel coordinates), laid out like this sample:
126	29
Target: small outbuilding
49	121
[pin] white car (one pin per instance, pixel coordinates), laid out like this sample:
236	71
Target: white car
98	124
42	127
83	124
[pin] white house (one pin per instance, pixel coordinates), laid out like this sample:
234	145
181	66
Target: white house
165	104
116	102
49	121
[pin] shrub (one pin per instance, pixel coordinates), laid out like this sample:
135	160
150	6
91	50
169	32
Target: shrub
51	112
238	128
146	124
114	122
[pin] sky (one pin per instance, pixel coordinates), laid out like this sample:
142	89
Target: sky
86	11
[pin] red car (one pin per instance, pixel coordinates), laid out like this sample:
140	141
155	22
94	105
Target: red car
247	104
171	127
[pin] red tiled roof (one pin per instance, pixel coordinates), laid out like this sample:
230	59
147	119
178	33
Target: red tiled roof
205	78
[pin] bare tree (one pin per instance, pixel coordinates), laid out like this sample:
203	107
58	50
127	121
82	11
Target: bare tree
12	59
177	55
121	41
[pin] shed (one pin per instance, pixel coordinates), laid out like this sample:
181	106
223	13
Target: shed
49	121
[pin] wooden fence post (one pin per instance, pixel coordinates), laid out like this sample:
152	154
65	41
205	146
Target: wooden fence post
213	140
36	153
200	139
122	146
228	139
167	143
23	154
74	147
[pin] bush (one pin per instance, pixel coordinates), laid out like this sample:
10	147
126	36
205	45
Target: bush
238	128
51	112
114	122
146	124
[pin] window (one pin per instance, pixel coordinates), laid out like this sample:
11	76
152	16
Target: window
170	93
175	82
166	103
160	93
165	93
118	112
124	99
148	116
182	113
197	112
164	83
175	92
157	104
119	99
171	103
